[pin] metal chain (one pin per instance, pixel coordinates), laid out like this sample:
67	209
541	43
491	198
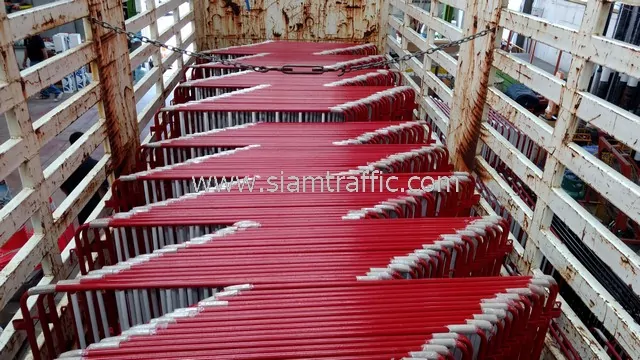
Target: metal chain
288	69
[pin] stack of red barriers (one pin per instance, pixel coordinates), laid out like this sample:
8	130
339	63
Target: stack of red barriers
279	216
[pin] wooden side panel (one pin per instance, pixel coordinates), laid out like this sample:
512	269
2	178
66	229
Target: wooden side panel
467	116
115	128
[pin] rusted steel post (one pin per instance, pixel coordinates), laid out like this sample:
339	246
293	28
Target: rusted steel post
472	81
114	69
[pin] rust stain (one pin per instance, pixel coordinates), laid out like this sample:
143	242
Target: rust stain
50	22
371	31
483	175
234	7
525	223
624	261
23	85
568	274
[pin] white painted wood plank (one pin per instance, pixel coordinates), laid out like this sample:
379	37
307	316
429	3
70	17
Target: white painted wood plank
141	54
445	61
56	68
21	265
435	84
396	24
167	6
68	210
394	45
147	113
46	17
409	82
415	39
55	121
536	129
185	43
147	139
433	111
620	191
169	60
417	13
12	153
146	82
458	4
619	123
557	36
416	66
538	80
399	4
189	39
622	260
11	340
17	212
10	95
515	160
65	164
576	332
140	21
176	28
442	27
614	54
442	58
505	195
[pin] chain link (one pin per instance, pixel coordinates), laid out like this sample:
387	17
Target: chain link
289	69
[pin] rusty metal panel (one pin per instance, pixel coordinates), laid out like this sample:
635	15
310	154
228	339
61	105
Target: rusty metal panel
223	23
42	18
